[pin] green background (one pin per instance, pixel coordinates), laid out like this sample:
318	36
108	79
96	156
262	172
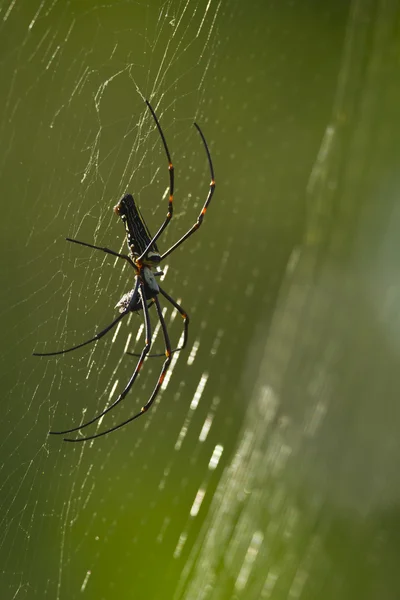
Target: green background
291	286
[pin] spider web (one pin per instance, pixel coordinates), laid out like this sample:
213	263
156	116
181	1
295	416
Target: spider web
176	505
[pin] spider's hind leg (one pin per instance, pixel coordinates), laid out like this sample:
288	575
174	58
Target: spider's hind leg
132	380
185	318
157	387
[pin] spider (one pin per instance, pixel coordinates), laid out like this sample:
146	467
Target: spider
145	258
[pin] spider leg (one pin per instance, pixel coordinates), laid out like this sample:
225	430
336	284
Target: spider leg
199	221
107	329
93	339
185	318
171	184
148	404
103	249
132	380
98	335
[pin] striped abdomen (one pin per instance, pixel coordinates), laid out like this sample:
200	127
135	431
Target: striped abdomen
138	236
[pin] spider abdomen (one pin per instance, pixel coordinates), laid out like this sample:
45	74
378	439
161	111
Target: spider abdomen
138	236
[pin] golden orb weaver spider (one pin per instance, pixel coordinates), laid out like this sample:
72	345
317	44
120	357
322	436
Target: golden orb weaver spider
144	257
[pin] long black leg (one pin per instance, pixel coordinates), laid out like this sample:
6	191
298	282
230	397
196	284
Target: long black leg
107	329
93	339
206	203
146	407
101	333
185	318
103	249
132	380
171	184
